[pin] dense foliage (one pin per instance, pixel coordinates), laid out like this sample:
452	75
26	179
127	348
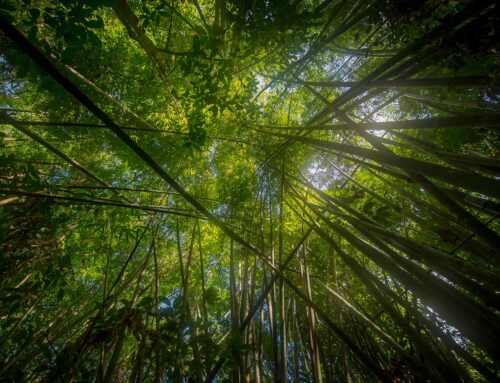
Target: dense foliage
249	191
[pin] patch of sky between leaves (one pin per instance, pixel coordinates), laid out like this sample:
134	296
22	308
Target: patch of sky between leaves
261	83
321	175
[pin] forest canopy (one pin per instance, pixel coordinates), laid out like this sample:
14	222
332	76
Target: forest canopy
249	191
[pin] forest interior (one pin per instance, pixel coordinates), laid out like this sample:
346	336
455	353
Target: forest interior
249	191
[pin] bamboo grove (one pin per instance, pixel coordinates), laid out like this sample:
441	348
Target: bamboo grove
249	191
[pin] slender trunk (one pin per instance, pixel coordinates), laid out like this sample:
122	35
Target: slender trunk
235	322
282	316
110	370
311	316
136	32
471	81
